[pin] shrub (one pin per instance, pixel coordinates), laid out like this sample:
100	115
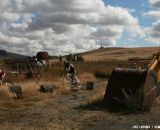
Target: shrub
102	74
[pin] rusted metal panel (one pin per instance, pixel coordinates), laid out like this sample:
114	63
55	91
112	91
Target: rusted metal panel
45	88
16	90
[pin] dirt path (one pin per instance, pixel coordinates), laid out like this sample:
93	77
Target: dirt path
64	112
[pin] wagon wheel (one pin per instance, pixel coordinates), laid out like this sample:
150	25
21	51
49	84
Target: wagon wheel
38	75
21	76
44	67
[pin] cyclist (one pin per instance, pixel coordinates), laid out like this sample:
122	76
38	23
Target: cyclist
2	75
70	71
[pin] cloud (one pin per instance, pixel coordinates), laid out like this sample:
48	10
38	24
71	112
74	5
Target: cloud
154	32
155	3
63	26
153	14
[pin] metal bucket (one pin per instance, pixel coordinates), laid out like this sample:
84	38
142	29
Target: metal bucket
127	84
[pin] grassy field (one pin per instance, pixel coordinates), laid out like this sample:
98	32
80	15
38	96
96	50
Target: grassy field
121	54
66	109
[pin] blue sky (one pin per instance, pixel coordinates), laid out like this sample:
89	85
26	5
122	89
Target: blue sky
139	7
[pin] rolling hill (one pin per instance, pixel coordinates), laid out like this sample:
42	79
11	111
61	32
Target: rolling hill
8	55
109	54
103	54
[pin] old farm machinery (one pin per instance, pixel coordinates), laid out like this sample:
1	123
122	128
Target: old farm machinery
29	67
134	88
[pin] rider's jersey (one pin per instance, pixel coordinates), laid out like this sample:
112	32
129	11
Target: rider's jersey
71	69
2	75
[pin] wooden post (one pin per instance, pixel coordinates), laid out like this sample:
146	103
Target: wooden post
31	69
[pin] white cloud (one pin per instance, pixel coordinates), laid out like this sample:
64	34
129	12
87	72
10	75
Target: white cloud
153	14
9	17
154	32
60	25
155	3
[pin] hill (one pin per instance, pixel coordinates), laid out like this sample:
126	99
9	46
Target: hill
114	53
8	55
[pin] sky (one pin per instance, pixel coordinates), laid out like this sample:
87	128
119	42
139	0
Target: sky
72	26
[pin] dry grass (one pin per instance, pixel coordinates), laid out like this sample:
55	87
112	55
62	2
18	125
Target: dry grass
30	93
9	126
96	100
84	77
85	72
102	74
58	111
110	54
30	89
5	93
93	67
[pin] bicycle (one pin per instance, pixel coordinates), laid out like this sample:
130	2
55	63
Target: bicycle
6	83
69	80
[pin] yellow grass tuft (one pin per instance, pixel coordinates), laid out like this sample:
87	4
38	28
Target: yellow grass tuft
5	93
84	77
30	88
96	99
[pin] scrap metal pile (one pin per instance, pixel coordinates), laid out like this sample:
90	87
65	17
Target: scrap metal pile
29	67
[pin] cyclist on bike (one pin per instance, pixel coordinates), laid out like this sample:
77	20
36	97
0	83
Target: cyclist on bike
2	75
70	71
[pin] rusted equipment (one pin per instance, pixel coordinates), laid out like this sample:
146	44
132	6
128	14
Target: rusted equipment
45	88
134	87
90	85
29	67
17	91
136	63
43	57
126	83
25	68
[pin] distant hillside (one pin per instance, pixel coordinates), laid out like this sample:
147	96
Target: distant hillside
8	55
114	53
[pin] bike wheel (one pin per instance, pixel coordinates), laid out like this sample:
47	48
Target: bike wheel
65	82
8	83
76	81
